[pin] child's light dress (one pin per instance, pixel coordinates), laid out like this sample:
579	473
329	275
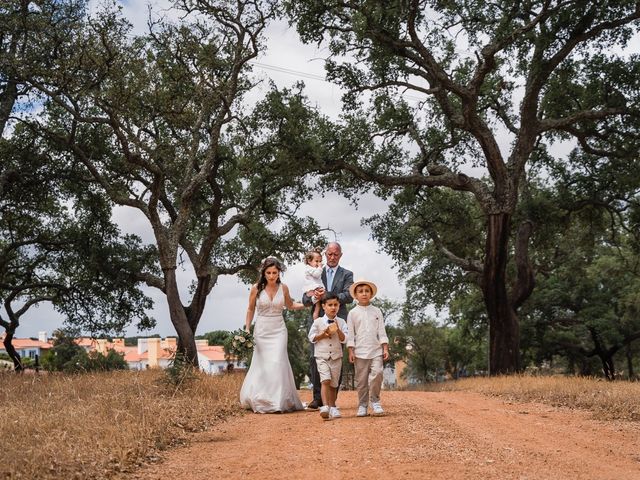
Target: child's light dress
312	278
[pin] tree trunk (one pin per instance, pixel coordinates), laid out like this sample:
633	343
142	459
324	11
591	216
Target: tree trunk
504	329
11	351
629	356
178	314
571	367
585	369
195	310
605	356
608	367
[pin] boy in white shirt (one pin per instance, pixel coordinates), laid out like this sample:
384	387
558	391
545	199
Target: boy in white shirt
328	334
368	346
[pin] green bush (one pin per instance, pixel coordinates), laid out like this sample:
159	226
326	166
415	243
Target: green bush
95	361
27	362
62	354
66	356
180	371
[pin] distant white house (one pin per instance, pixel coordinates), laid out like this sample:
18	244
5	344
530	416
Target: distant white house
389	377
149	353
29	347
213	360
156	352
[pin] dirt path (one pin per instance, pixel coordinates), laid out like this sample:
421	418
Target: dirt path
448	435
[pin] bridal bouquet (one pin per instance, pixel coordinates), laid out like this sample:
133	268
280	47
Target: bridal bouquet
241	344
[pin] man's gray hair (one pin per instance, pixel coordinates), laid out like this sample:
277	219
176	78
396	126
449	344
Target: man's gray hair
334	243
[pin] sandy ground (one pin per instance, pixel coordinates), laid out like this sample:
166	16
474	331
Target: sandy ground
447	435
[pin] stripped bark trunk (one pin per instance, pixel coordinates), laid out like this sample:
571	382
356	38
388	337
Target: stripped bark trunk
185	319
178	314
504	329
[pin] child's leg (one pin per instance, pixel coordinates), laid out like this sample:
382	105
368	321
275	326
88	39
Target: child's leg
375	379
336	368
331	396
316	310
362	383
325	392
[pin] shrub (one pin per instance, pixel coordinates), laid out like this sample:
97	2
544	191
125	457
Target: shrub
95	362
179	371
66	356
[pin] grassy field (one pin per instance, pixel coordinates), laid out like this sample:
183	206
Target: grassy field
100	425
607	400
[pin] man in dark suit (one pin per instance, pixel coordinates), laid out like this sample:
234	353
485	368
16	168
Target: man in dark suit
335	280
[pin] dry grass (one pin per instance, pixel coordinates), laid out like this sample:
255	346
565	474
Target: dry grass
102	425
607	400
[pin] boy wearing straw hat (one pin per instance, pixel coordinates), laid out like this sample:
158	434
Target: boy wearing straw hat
368	346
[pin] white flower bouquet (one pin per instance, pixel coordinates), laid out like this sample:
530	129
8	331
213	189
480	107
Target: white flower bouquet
241	345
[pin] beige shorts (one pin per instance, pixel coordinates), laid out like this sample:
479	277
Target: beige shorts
329	370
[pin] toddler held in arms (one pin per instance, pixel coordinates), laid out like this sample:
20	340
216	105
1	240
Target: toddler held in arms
313	277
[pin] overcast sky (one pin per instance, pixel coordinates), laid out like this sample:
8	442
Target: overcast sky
227	304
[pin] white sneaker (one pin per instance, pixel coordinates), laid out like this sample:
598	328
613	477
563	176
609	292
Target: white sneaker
324	412
362	411
334	412
377	409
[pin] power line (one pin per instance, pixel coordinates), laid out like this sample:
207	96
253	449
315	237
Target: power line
290	71
314	77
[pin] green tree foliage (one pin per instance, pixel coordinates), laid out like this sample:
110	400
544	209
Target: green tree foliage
66	356
133	341
217	337
426	346
157	124
57	241
64	351
33	34
58	244
457	102
581	316
589	308
435	349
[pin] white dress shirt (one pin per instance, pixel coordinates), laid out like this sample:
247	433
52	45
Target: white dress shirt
366	331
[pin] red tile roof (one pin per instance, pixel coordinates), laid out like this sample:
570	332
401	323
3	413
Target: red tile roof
86	342
21	343
212	352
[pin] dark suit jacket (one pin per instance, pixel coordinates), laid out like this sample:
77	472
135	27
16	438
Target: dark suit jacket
342	280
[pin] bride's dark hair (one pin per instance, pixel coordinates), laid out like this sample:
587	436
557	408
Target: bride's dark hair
267	263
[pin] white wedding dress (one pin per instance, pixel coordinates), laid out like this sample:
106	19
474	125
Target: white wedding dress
269	386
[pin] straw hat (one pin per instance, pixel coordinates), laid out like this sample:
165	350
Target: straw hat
372	286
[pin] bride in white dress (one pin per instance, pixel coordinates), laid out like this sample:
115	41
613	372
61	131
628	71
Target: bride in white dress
269	386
